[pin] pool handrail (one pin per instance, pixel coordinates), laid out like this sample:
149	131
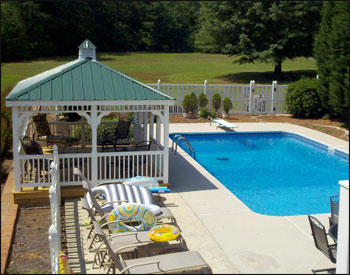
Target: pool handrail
177	138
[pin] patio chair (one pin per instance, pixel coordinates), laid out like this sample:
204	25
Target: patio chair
43	133
333	219
166	263
121	133
123	237
321	242
31	147
117	193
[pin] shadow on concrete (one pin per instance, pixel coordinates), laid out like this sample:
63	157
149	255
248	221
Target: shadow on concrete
184	177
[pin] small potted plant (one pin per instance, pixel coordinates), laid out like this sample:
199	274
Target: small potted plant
203	101
226	105
190	105
216	102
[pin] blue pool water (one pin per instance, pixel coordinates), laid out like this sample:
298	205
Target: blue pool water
273	173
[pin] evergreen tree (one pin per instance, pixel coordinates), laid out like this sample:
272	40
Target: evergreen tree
322	52
339	97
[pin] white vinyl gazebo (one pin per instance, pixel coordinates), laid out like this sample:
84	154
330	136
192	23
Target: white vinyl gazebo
92	90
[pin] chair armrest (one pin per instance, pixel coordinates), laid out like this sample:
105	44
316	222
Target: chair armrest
141	264
107	202
108	182
129	246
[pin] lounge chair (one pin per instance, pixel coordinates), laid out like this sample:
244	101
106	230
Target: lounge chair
43	133
120	136
118	193
333	219
123	237
223	123
321	242
166	263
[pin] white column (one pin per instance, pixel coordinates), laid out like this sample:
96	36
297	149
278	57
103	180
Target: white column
251	95
82	129
94	145
151	126
343	229
158	130
158	85
15	140
145	124
166	144
205	87
273	94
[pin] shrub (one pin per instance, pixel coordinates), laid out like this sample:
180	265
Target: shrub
203	101
194	103
216	101
227	104
204	113
190	103
212	114
303	100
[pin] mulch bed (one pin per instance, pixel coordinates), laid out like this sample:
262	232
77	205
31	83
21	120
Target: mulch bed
323	125
30	251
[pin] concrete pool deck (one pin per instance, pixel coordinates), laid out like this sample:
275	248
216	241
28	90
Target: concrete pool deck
231	237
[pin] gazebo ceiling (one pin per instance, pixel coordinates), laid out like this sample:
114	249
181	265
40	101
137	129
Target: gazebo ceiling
83	80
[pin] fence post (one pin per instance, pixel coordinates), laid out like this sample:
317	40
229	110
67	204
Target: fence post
205	87
54	241
251	95
158	85
273	101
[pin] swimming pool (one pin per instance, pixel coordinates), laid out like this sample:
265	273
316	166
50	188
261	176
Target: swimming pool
272	173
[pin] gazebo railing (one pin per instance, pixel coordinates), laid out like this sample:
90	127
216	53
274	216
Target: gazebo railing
130	164
111	166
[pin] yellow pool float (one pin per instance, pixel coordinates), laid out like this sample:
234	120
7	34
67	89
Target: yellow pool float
164	233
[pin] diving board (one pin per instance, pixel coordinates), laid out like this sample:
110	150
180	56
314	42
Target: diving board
223	123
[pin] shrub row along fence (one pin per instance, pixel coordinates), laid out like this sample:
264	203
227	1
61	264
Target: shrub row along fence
55	202
251	98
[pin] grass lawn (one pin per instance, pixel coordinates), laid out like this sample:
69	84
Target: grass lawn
192	68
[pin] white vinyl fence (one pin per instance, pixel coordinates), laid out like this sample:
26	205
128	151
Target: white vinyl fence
55	202
250	98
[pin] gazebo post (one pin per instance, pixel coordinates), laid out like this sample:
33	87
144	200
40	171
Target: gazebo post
151	126
166	144
145	124
94	144
15	140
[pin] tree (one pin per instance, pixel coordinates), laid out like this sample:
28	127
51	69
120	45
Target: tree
332	50
322	53
266	31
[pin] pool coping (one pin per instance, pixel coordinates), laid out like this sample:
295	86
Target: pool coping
250	254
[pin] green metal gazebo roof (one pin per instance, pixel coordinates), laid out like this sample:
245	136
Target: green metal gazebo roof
83	80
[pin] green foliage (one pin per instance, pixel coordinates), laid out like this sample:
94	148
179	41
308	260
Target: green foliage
203	100
216	101
31	29
204	112
331	51
303	100
190	103
212	114
6	126
227	104
264	31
